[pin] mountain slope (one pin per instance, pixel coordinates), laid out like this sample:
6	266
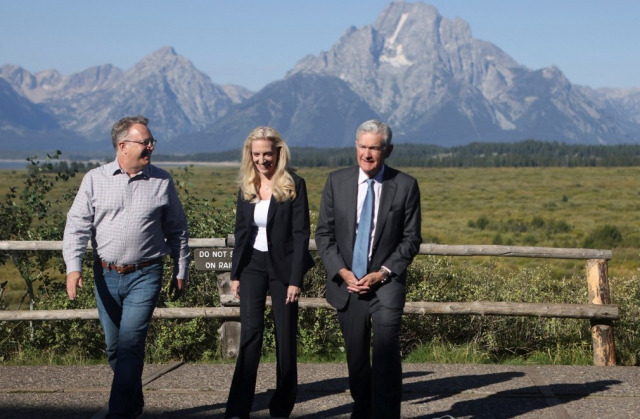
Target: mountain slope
164	86
430	78
423	73
308	110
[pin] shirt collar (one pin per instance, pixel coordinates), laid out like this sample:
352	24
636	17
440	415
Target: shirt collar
362	177
115	169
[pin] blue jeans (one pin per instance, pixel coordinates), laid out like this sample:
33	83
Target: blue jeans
125	305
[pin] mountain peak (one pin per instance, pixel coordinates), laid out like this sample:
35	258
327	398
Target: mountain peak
426	73
164	52
422	72
163	55
160	61
394	12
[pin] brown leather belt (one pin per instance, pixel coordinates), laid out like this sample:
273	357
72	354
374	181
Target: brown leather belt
127	269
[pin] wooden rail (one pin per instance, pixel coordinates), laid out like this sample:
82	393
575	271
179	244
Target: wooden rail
482	308
425	249
599	311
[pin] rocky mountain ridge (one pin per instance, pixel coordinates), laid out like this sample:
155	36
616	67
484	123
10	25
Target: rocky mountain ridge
164	86
427	74
422	72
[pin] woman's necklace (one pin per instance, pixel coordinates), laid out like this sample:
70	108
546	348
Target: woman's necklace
265	190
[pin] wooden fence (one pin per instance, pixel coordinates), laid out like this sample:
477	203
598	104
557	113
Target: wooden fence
599	310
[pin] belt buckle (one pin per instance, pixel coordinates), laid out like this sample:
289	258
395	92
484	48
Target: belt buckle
126	269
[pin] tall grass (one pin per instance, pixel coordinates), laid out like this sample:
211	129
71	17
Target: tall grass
556	207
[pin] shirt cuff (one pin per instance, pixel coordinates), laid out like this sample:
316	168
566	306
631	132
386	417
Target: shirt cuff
75	266
182	272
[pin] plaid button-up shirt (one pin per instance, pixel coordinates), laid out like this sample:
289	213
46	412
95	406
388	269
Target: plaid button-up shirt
128	219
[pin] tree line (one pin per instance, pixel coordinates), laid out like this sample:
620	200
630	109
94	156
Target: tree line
529	153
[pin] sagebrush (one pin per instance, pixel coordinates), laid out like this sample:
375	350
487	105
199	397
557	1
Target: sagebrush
27	214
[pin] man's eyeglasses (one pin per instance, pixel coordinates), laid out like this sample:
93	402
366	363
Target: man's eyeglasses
148	142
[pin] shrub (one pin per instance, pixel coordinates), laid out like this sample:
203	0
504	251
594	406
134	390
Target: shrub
560	226
482	222
440	279
430	278
537	222
626	293
605	237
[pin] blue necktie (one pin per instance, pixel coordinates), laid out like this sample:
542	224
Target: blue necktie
363	236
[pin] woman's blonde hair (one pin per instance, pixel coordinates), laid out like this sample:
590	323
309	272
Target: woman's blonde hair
283	188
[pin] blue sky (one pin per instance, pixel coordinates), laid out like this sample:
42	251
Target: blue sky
254	42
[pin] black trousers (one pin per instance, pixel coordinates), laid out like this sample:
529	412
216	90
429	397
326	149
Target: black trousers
255	280
376	385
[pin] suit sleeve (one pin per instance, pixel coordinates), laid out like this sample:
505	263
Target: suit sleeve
326	234
240	235
400	259
300	231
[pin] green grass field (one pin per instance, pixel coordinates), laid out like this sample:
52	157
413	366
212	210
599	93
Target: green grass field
550	207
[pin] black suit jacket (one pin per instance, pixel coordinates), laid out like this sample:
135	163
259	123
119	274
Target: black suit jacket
287	235
397	238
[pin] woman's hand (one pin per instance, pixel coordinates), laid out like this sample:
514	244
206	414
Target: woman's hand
235	288
293	294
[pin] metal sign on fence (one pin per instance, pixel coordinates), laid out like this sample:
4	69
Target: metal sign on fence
213	259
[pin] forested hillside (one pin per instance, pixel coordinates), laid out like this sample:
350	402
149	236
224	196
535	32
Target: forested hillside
529	153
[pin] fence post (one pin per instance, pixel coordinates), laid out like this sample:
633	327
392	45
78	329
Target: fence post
601	330
229	332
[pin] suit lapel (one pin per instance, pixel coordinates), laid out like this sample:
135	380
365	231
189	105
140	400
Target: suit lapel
386	199
272	209
248	209
351	203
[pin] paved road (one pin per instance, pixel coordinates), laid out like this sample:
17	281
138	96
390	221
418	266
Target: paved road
430	391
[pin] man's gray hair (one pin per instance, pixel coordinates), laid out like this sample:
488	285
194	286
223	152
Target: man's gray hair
375	126
121	128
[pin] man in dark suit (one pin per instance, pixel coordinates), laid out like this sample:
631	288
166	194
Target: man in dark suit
373	295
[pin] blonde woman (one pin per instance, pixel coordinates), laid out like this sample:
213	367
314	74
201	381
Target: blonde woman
271	254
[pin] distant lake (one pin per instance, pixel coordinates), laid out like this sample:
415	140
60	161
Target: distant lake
11	164
18	164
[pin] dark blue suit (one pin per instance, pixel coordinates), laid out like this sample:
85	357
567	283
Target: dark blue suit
376	388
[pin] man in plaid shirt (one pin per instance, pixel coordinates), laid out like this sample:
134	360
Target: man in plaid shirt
130	211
